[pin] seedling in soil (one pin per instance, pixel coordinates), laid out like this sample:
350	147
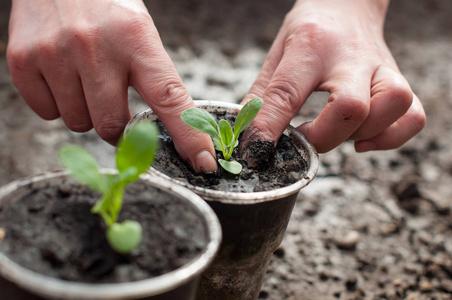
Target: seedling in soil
135	154
224	137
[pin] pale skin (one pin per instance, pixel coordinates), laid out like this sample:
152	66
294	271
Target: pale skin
76	59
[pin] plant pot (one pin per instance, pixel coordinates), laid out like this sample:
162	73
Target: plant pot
253	223
19	283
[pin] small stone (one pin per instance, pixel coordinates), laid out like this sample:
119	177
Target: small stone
349	241
2	233
390	228
323	276
413	296
311	207
351	283
440	202
425	286
446	285
280	253
408	194
398	282
263	294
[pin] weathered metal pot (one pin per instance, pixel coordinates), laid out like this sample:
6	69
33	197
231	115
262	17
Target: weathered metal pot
19	283
253	224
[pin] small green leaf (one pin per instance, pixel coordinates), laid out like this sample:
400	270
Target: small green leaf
82	166
217	144
201	120
137	149
226	134
246	115
124	237
231	166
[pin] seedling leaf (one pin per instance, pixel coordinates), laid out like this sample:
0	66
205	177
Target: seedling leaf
137	150
217	143
82	166
201	120
231	166
226	134
124	237
246	115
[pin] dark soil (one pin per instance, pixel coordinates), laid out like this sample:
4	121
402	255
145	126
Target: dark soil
51	231
287	166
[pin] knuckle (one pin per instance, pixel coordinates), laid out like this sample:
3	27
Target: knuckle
401	93
18	58
312	34
171	94
82	36
284	93
110	128
137	24
46	49
351	108
75	38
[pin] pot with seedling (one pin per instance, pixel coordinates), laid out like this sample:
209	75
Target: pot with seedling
253	205
91	233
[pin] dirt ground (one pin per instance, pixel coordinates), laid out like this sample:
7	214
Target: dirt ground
370	226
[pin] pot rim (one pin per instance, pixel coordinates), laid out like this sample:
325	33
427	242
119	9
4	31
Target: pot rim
303	146
57	288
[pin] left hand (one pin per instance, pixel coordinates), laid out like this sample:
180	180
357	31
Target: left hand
336	46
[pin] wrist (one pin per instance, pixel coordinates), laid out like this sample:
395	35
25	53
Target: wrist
372	12
380	5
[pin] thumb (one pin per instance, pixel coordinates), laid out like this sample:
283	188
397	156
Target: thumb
156	80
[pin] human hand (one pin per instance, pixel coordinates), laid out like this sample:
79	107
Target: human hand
76	59
336	46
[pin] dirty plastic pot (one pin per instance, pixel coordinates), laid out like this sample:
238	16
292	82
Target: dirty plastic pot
253	224
19	283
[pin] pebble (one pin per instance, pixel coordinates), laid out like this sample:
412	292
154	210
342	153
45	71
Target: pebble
425	286
440	202
351	283
348	241
398	282
311	208
446	285
413	296
280	252
390	228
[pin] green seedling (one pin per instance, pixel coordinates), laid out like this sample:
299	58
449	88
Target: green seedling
224	137
135	154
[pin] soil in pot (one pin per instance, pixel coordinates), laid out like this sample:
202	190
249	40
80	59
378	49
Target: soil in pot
52	231
286	167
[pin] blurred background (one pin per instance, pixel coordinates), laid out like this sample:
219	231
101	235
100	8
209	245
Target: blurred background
370	226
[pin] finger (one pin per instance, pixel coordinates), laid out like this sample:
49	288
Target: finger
391	98
268	68
106	98
70	100
346	110
31	84
399	132
296	76
155	78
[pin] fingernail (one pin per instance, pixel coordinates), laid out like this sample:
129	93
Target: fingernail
205	162
365	146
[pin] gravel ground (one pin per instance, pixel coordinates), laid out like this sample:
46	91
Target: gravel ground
371	226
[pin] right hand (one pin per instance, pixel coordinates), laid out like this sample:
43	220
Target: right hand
76	59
